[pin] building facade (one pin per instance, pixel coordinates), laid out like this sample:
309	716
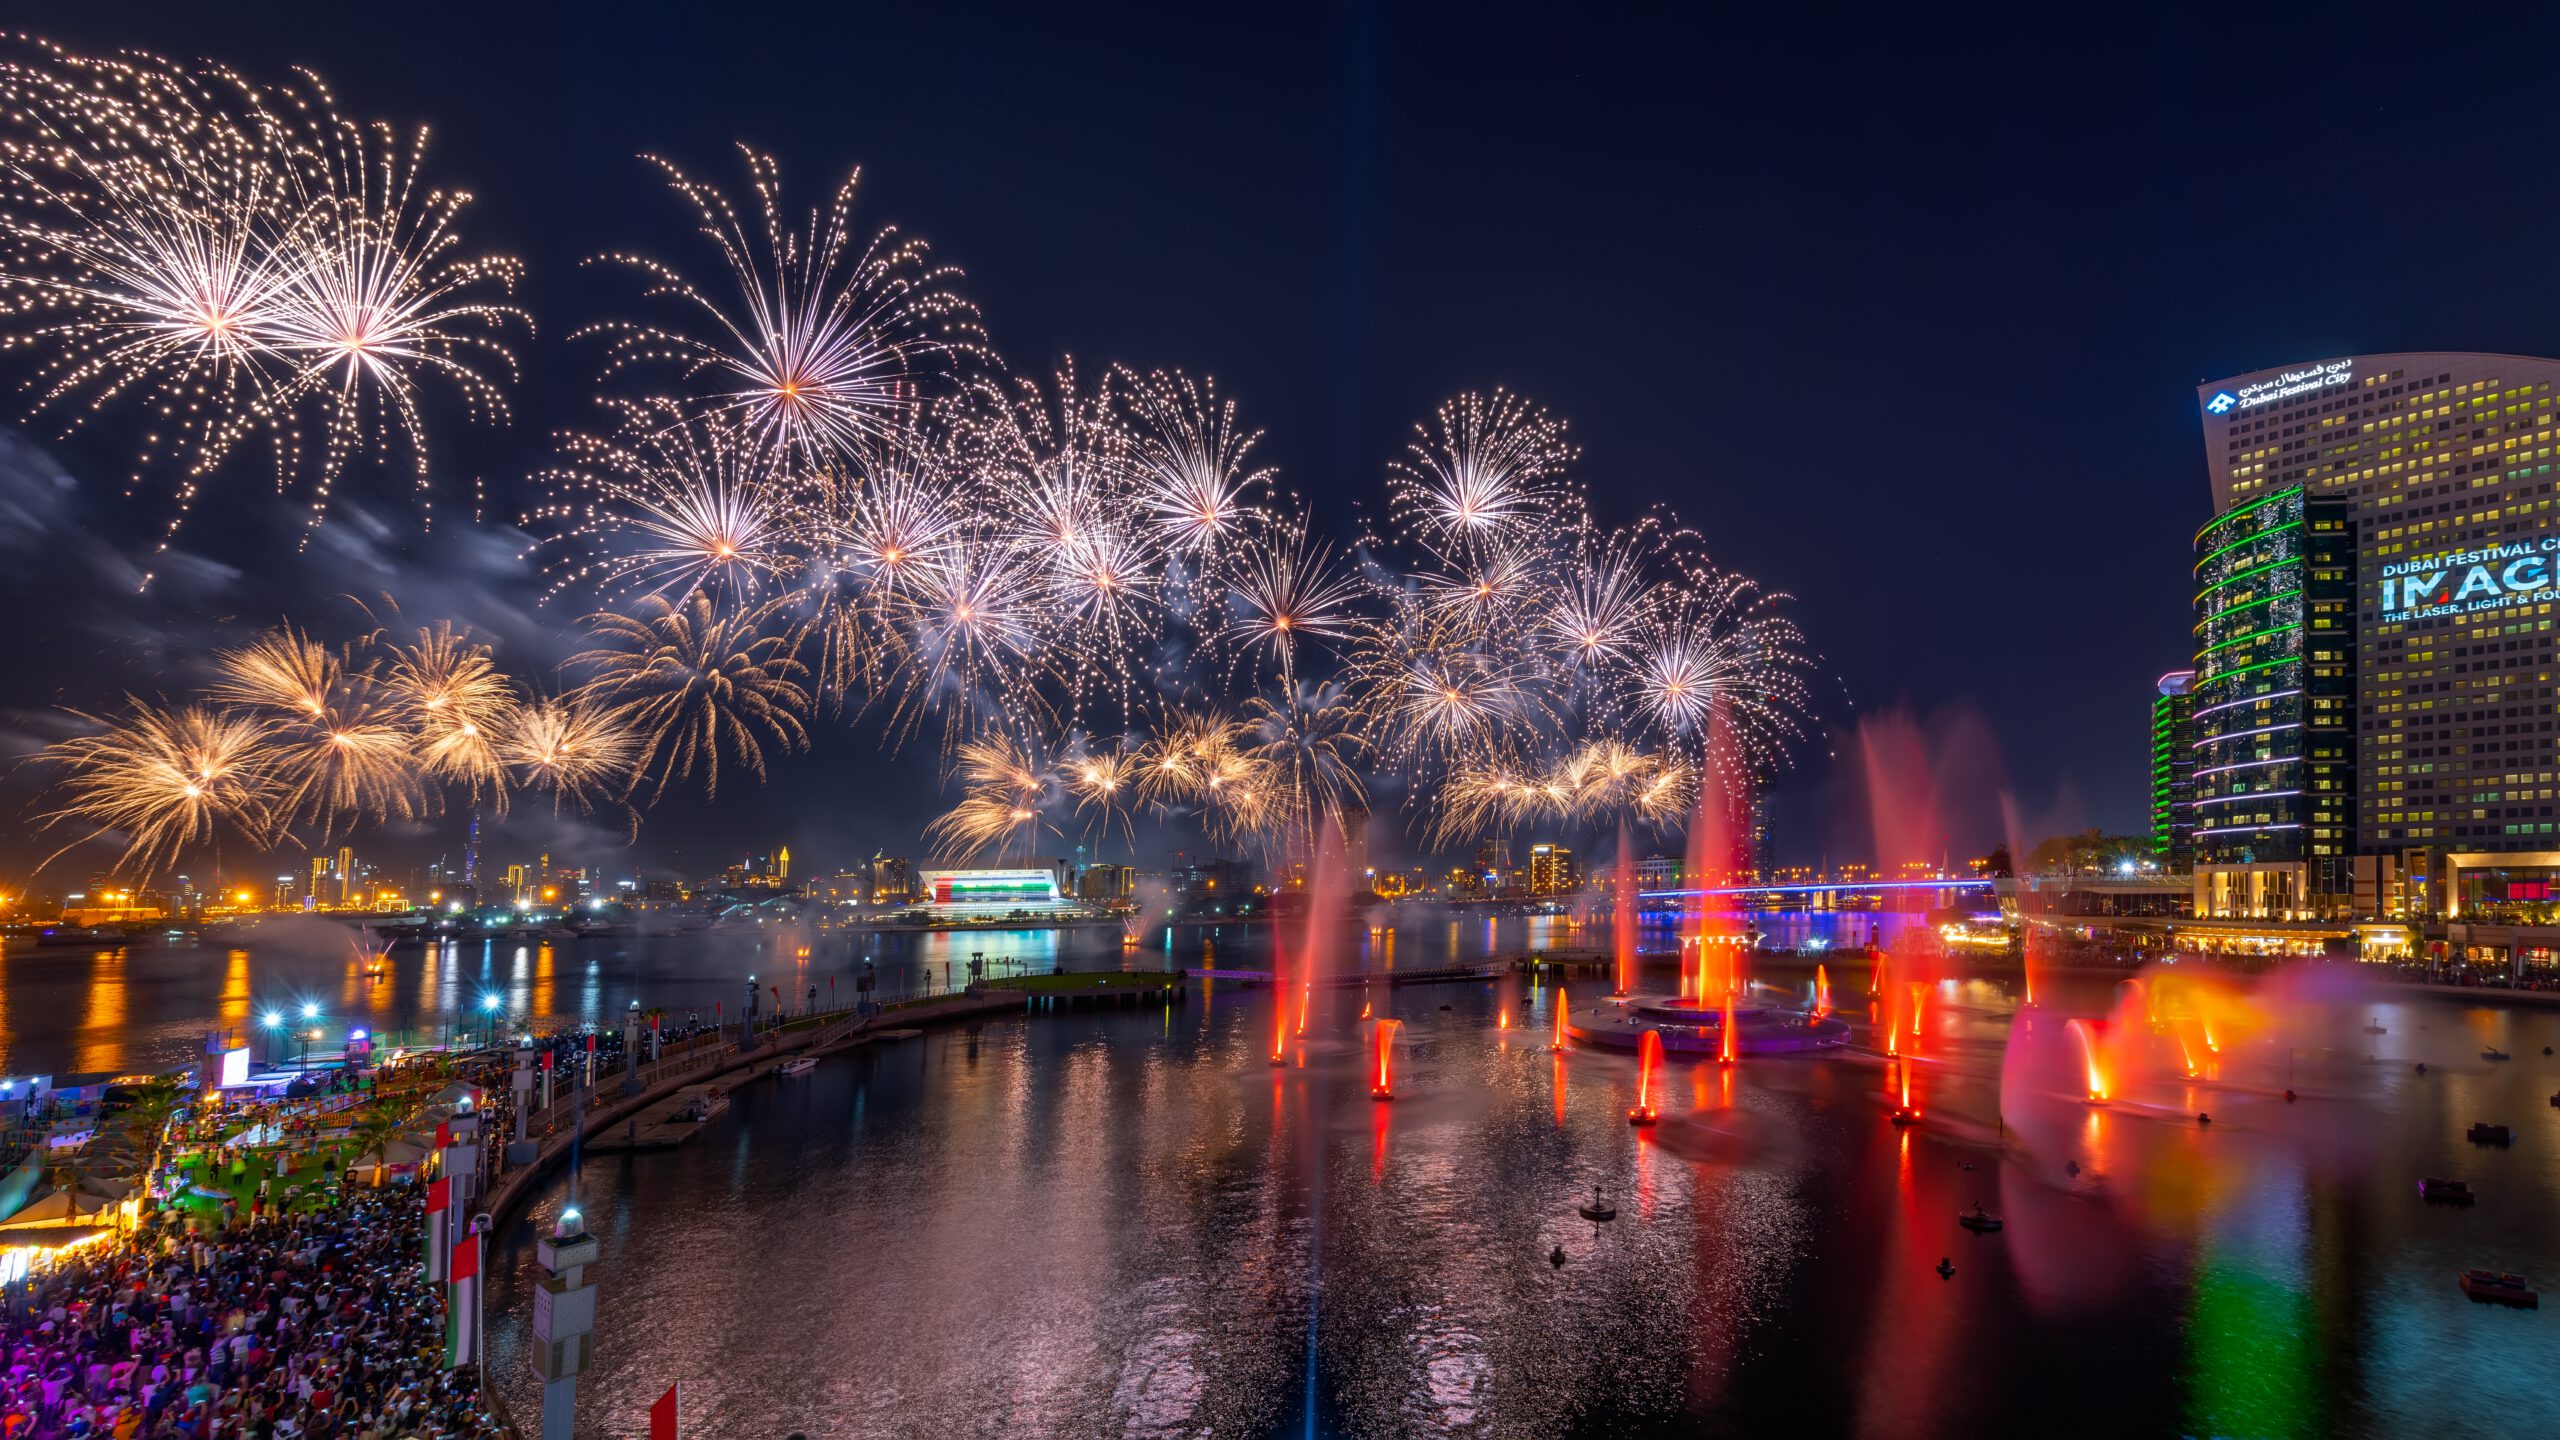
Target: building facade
2427	559
2173	766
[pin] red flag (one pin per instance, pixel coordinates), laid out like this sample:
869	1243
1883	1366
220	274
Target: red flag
662	1415
440	1196
546	1059
444	1134
591	1044
466	1258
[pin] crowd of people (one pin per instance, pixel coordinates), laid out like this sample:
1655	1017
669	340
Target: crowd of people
318	1325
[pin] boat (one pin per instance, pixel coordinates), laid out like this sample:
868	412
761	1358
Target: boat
2376	1028
2487	1134
2491	1287
2494	1053
2437	1191
711	1102
799	1065
1979	1220
1597	1210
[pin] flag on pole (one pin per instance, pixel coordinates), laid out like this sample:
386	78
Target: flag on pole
662	1414
462	1305
439	1221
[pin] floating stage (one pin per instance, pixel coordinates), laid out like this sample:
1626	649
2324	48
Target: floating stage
1620	1023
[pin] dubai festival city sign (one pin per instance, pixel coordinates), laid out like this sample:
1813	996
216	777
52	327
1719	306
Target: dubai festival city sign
2466	582
2285	386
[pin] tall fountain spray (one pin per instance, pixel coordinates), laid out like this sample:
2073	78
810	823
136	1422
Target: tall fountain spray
1557	1044
1648	1061
1622	917
1729	1036
1382	1057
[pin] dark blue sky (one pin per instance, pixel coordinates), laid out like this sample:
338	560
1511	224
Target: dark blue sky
1901	308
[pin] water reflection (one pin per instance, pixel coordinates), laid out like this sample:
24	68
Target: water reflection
1184	1239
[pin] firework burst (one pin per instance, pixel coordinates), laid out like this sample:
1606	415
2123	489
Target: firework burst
694	683
165	779
820	341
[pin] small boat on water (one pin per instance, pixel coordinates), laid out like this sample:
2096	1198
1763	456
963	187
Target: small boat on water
2491	1287
1979	1220
1598	1211
709	1103
2437	1191
799	1065
2486	1134
2494	1053
2376	1027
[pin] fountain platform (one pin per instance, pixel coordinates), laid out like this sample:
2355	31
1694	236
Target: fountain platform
1619	1023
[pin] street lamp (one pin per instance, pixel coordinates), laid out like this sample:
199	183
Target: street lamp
271	1022
489	1006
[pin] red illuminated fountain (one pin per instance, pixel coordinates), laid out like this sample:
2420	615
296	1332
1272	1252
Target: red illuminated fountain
1280	1025
1905	1113
1648	1060
1382	1067
1622	918
1557	1044
1821	991
1729	1034
2086	1033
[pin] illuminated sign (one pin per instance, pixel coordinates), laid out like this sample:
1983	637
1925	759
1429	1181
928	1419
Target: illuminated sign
991	887
2284	386
2466	582
235	1066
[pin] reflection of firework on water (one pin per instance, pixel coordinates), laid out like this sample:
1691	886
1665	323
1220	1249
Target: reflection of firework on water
164	779
819	340
206	257
694	683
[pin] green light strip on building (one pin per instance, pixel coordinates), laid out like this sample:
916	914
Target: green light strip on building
2245	669
2245	639
2245	574
2228	516
2245	605
2246	539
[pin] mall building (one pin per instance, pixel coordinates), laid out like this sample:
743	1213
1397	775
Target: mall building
2369	719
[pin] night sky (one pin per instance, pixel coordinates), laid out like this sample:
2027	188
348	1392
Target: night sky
1901	309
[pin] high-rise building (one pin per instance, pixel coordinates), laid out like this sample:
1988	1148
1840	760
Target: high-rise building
893	880
2427	611
2173	766
1552	871
2268	706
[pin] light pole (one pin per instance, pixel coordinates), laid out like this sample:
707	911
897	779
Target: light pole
272	1022
310	1032
489	1007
